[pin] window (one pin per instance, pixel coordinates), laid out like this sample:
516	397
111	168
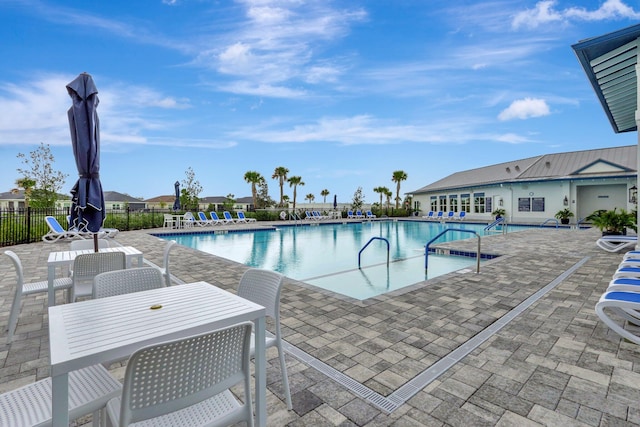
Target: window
433	204
465	203
531	204
443	203
488	202
453	202
478	203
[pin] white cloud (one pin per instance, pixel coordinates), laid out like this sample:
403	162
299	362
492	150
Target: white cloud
524	109
545	13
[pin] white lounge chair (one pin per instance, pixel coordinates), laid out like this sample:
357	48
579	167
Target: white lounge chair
228	219
429	215
616	243
214	218
23	289
459	216
242	218
626	306
350	215
177	382
56	232
202	219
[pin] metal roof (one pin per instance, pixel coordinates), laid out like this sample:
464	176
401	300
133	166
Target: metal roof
610	62
603	162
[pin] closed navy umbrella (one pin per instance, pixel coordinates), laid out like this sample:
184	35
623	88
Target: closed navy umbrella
176	203
87	202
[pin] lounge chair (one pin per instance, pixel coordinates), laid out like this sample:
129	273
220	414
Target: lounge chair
350	215
616	243
622	272
359	215
625	284
228	219
188	220
459	216
439	215
319	216
56	232
215	220
242	218
202	219
429	215
450	215
625	305
370	215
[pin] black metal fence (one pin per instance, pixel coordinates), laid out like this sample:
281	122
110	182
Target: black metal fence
28	225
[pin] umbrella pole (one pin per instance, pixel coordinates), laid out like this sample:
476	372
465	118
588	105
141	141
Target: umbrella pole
95	242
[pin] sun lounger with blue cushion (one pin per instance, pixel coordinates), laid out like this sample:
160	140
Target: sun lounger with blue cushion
228	219
625	305
616	243
242	218
428	216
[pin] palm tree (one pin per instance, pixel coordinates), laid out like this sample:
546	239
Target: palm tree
324	193
310	197
398	177
280	173
382	191
389	194
254	178
294	181
27	185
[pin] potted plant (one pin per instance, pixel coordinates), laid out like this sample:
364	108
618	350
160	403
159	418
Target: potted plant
499	213
613	222
564	215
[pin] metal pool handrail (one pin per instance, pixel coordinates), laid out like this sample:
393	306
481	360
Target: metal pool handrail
551	220
426	248
371	240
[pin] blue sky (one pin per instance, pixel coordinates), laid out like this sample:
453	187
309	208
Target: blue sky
340	93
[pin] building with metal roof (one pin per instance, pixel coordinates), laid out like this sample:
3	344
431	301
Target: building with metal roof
534	189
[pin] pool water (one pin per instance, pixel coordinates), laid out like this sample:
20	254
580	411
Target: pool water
326	255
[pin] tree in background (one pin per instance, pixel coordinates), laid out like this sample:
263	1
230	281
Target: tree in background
38	169
264	201
382	191
324	193
254	178
229	202
358	199
26	184
388	194
294	181
191	189
310	197
398	177
280	173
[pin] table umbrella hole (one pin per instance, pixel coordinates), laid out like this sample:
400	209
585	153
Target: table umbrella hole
156	307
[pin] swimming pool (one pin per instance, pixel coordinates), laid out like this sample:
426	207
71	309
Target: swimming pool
326	255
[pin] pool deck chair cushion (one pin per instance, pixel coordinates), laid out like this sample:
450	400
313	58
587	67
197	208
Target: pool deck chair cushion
228	219
616	243
626	306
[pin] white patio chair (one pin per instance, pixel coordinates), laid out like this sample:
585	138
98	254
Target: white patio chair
186	382
89	391
127	281
22	289
88	266
169	221
77	245
165	262
263	287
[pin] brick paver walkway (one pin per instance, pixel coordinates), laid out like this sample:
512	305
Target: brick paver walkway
553	364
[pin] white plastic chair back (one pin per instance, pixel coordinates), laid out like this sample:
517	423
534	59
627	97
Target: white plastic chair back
165	262
176	375
23	288
77	245
264	287
88	266
127	281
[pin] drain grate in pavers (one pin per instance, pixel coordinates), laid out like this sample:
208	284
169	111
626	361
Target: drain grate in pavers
408	390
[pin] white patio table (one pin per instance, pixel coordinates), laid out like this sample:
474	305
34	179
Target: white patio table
66	258
95	331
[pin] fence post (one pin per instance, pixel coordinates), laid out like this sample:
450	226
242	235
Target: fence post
128	215
28	219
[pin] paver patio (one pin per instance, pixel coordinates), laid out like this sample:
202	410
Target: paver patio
554	363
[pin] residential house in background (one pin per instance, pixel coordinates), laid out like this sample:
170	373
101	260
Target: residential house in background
534	189
115	201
